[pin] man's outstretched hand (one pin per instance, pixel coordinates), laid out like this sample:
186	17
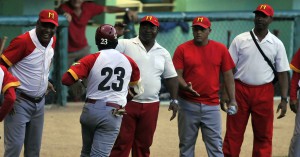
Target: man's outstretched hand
120	28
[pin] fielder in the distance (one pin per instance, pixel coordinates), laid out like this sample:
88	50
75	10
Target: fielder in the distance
108	74
8	83
29	58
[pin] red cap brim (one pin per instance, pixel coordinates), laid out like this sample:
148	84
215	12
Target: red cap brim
49	20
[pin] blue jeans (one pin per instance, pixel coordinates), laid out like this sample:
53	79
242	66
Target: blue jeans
194	116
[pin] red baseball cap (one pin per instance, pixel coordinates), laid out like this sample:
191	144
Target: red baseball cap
201	21
151	19
266	9
49	16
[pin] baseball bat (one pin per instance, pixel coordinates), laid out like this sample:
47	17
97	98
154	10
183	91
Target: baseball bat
3	44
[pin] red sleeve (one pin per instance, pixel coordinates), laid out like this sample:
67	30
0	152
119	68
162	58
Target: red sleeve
135	76
82	68
294	85
64	8
295	63
7	105
178	60
227	62
93	8
54	42
67	79
295	66
9	80
15	50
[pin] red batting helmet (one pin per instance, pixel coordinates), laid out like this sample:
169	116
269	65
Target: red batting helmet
106	37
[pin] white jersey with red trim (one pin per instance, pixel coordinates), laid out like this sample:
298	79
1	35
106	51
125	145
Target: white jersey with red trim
30	62
108	74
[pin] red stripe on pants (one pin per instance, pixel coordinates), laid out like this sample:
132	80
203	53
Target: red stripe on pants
137	130
257	101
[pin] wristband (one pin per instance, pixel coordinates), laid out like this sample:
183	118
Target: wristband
284	99
174	101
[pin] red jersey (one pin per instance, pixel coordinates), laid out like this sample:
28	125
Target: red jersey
201	66
77	39
108	74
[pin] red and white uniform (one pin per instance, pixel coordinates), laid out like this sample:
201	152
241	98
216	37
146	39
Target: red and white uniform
27	58
254	92
294	150
295	66
6	82
108	74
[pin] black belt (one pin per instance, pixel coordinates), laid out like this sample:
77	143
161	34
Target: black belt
34	100
93	101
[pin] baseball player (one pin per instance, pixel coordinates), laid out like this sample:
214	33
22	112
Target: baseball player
108	74
199	63
29	57
254	90
294	150
7	87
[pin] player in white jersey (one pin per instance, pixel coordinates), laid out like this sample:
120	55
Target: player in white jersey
29	58
108	73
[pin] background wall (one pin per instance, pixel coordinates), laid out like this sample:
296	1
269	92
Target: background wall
237	5
19	8
32	7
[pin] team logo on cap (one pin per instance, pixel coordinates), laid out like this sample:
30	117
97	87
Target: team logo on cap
199	19
149	18
51	15
263	7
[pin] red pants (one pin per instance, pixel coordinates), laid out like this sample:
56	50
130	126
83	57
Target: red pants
137	130
257	101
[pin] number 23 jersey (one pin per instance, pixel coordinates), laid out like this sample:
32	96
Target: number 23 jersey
108	74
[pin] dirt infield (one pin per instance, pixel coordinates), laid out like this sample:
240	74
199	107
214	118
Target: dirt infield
62	135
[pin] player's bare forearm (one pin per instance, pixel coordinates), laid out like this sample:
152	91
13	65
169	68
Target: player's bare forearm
181	82
113	9
172	86
229	84
284	83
